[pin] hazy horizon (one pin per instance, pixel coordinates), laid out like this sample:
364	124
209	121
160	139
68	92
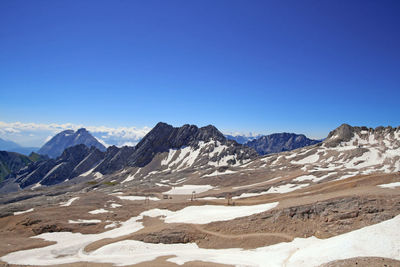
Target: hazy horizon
35	135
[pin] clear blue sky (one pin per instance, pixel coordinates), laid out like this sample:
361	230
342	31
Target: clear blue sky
262	66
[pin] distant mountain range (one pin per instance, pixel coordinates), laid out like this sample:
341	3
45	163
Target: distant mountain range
12	162
6	145
75	153
68	138
241	139
279	142
164	147
176	153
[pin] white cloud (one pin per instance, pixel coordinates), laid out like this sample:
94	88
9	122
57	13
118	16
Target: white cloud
36	134
245	134
11	130
129	144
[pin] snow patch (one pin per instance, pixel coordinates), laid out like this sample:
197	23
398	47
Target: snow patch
307	160
137	198
286	188
188	189
97	175
299	252
69	202
131	177
391	185
208	213
84	221
215	173
98	211
22	212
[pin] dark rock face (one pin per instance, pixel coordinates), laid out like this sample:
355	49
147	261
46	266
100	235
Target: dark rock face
279	142
73	162
164	137
11	162
115	159
56	145
34	172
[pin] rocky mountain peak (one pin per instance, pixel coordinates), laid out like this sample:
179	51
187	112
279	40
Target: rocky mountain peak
210	132
81	130
164	137
68	138
75	153
278	142
343	133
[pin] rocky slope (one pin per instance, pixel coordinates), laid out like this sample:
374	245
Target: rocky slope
74	161
11	162
347	152
279	142
56	145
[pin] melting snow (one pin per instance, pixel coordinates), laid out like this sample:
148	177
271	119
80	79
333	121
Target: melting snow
391	185
286	188
22	212
279	189
88	172
138	198
208	213
131	177
69	202
310	159
219	173
188	189
305	178
36	186
98	211
97	175
84	221
299	252
111	225
53	169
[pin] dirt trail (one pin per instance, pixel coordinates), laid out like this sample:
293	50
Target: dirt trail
280	235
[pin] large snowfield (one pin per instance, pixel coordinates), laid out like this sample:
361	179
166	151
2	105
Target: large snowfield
380	240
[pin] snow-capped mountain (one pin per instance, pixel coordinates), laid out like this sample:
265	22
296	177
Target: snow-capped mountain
278	142
56	145
164	148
